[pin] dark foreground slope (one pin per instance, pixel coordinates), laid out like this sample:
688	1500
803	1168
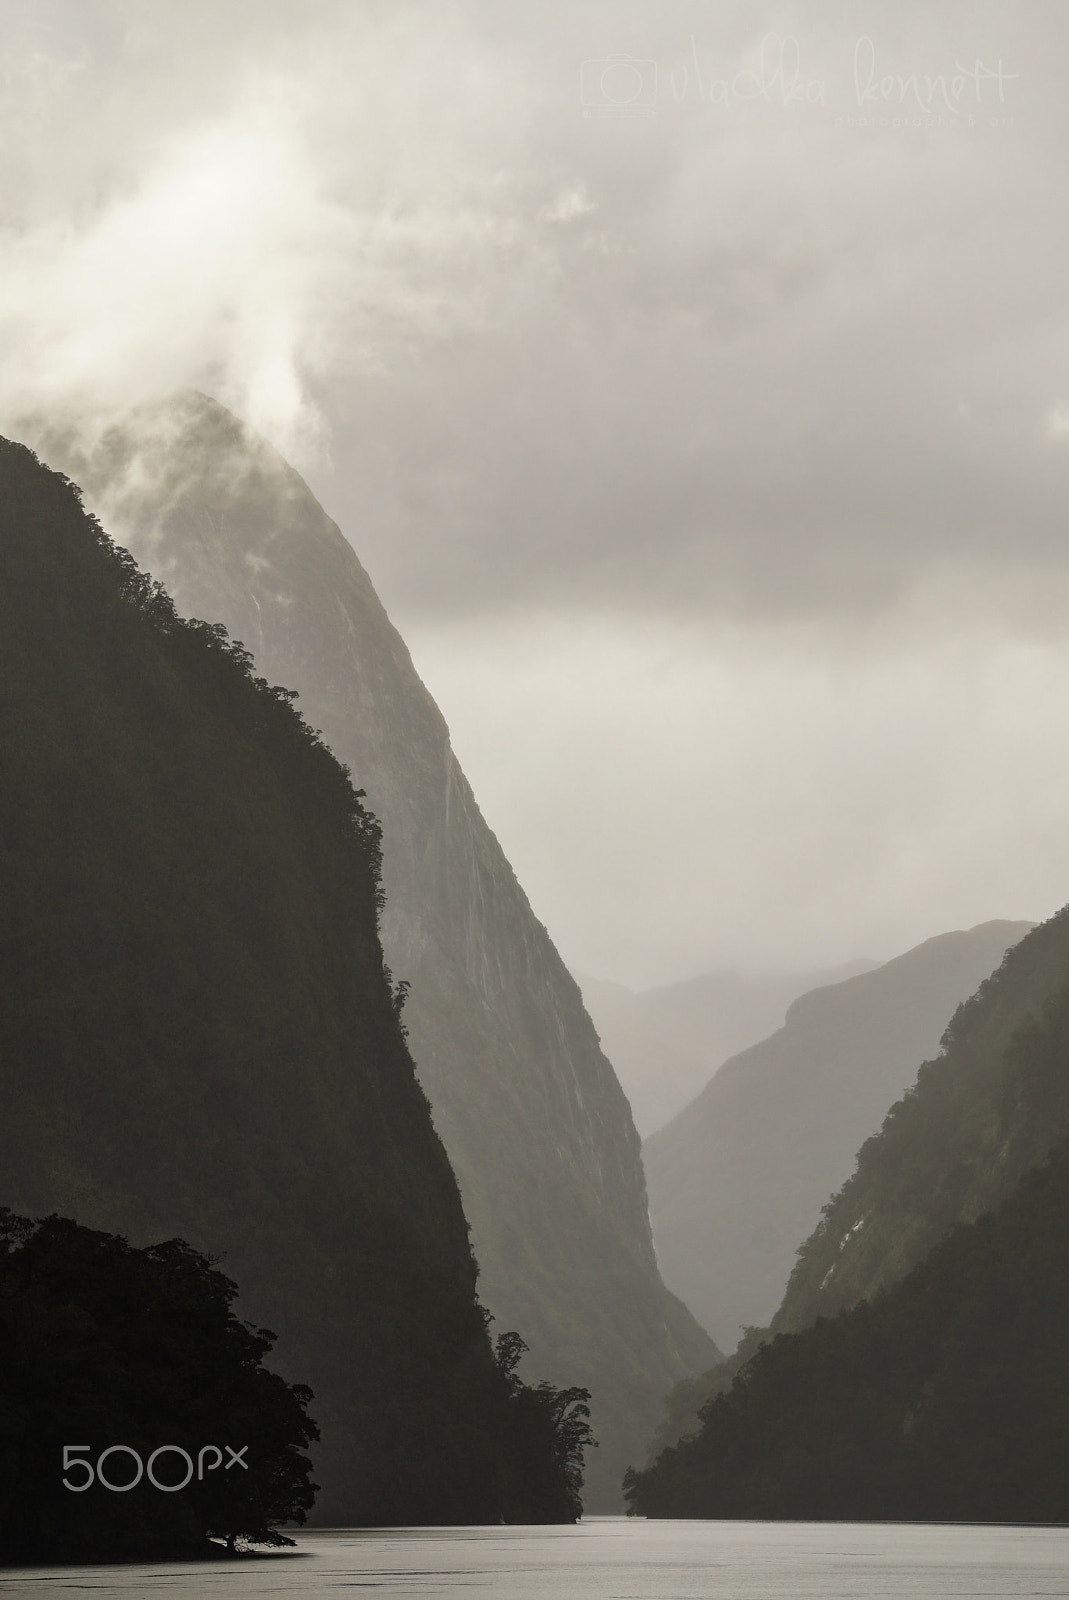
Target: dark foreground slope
535	1123
986	1110
947	1398
197	1035
738	1179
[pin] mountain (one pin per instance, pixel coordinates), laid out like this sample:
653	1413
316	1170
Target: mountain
945	1399
666	1043
737	1179
199	1037
916	1365
986	1110
535	1123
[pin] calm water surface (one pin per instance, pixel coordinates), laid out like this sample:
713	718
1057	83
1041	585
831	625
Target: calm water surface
608	1558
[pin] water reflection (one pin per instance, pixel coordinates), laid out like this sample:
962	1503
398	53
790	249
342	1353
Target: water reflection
610	1558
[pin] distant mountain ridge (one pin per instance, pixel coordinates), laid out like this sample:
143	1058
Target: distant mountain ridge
916	1366
737	1179
529	1109
944	1399
666	1043
984	1111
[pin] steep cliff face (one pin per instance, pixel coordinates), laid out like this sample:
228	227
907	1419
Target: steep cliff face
197	1033
529	1109
738	1179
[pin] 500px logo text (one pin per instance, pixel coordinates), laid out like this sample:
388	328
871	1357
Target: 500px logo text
74	1457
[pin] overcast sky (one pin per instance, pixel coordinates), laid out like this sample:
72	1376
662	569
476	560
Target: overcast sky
702	415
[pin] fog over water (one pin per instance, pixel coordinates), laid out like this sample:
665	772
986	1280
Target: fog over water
702	418
614	1559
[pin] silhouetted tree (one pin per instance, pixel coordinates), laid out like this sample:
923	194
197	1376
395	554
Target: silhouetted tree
551	1435
104	1345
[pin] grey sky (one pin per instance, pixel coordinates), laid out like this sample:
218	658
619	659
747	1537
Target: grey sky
713	461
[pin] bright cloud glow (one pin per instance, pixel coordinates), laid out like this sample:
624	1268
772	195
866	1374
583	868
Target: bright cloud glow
710	459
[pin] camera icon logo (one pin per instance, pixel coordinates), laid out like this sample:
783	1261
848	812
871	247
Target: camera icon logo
618	86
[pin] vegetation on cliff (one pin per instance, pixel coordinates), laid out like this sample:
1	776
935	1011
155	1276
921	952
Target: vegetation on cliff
946	1398
198	1033
902	1251
738	1179
988	1109
528	1108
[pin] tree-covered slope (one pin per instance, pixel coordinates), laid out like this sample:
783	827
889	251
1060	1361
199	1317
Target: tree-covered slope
946	1398
197	1033
985	1110
529	1109
737	1180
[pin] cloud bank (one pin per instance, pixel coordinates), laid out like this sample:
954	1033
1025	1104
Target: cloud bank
693	381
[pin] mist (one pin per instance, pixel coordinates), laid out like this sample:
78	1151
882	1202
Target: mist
705	438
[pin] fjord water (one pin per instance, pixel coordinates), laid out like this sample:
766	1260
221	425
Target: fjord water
611	1558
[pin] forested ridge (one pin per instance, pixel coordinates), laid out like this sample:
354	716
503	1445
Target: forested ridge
985	1111
739	1178
199	1036
532	1117
924	1324
946	1398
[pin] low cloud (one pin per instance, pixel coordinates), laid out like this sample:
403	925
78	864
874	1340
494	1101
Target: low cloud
653	422
676	800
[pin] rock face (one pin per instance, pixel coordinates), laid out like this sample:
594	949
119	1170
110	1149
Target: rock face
738	1179
534	1121
198	1039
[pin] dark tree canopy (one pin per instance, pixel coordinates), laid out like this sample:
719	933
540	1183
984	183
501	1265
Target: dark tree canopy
550	1425
102	1344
